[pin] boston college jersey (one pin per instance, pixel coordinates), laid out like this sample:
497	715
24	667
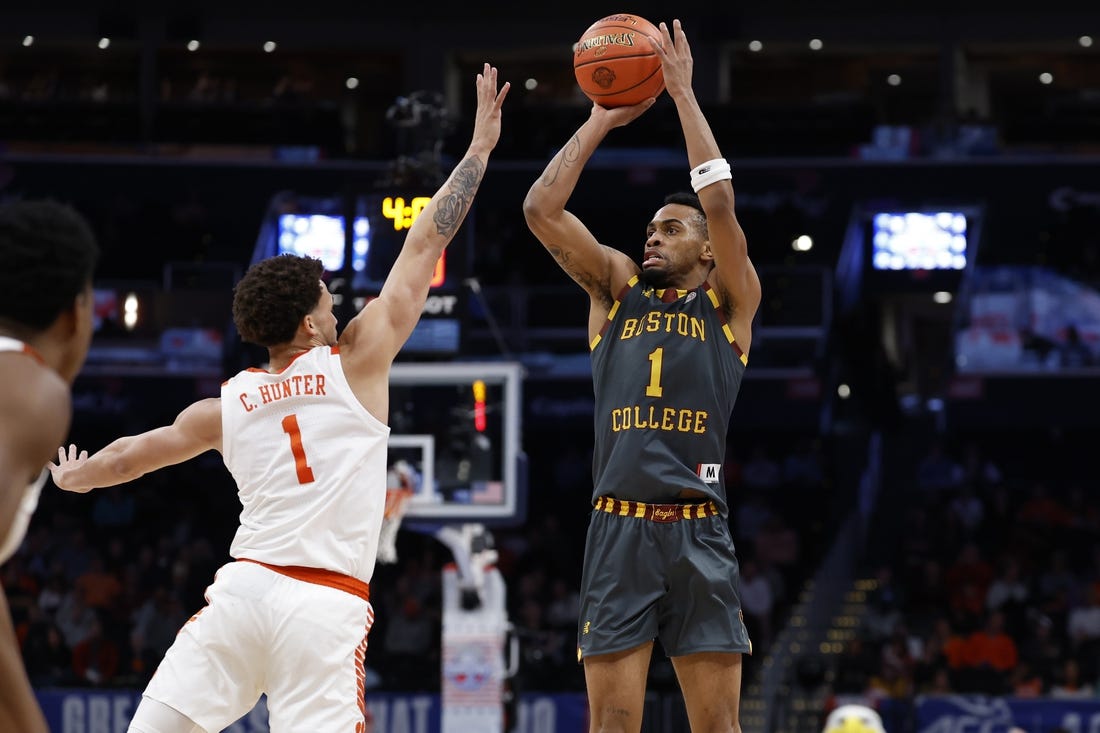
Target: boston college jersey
11	537
310	466
666	371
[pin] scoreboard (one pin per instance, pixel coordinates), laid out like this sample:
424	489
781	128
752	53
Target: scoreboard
358	258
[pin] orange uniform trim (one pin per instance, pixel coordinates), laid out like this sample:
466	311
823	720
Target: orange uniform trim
334	349
361	673
33	353
317	576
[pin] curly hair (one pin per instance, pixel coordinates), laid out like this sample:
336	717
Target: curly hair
48	253
274	296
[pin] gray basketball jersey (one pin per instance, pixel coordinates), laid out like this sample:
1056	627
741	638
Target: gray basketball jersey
666	370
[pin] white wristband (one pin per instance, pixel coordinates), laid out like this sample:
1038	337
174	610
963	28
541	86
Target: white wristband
710	172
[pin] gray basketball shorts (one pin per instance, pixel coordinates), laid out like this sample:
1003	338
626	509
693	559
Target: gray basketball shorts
675	581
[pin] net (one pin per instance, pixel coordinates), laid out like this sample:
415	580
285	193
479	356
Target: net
397	501
400	488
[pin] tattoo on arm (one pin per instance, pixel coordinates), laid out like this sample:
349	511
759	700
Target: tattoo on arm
582	278
563	258
455	203
565	158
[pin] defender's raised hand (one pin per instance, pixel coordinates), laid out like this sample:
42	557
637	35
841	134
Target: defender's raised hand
489	101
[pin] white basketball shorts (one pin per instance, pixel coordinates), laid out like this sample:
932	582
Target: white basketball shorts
301	640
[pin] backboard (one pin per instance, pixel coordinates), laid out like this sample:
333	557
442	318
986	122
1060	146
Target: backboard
455	440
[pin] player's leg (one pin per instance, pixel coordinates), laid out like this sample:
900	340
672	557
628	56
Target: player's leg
620	589
711	683
156	717
616	689
701	627
315	681
213	672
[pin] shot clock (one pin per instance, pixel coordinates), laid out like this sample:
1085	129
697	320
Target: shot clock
391	214
403	215
358	258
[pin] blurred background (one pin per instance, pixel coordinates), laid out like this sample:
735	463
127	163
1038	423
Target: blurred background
912	487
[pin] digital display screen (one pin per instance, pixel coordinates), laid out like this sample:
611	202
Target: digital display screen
914	240
105	310
434	336
322	236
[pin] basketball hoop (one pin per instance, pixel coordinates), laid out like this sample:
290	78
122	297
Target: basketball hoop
397	501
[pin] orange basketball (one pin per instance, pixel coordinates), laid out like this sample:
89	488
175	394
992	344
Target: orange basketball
615	65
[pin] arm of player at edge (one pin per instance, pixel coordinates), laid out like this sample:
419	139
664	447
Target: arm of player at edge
35	419
197	429
599	269
737	280
402	298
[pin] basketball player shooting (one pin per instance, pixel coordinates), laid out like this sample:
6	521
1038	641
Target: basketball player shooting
669	341
305	441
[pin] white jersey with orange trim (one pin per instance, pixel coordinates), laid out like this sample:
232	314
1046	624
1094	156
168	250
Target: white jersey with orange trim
310	466
13	536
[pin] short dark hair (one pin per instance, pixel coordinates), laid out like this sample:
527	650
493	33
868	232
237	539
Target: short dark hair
689	199
274	296
48	255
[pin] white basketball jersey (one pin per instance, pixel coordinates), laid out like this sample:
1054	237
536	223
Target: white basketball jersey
13	536
310	466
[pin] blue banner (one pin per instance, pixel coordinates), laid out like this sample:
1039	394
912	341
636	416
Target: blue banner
976	714
110	711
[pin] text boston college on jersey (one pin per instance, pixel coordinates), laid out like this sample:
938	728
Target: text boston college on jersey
299	384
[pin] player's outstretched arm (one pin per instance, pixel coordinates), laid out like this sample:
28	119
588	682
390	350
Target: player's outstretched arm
196	430
594	267
737	279
396	310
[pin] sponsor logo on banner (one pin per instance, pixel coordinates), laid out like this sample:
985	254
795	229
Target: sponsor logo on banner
978	714
970	714
96	711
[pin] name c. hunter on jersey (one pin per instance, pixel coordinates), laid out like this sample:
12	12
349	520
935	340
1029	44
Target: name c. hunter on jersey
299	384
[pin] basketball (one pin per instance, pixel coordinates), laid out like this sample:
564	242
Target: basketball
615	65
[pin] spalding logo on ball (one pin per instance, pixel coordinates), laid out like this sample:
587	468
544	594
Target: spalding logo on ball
615	64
